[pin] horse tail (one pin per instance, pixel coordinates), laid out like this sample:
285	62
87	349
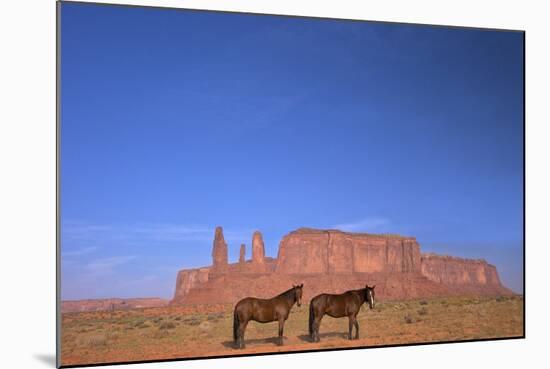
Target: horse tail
311	317
235	325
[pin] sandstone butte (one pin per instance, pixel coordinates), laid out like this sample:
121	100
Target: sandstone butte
333	261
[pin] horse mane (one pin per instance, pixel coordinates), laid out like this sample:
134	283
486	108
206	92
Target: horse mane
361	292
286	292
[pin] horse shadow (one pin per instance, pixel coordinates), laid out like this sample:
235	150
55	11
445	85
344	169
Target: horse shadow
307	337
253	341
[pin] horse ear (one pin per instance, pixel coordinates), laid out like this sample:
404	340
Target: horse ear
302	285
373	287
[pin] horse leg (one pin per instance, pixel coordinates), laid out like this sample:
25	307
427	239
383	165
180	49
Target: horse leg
281	328
356	329
239	335
350	327
242	327
316	326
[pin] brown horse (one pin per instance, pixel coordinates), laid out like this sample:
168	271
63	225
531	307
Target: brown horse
339	306
264	311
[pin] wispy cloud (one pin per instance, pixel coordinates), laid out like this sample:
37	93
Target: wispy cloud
149	232
134	259
82	230
78	252
107	266
172	232
369	224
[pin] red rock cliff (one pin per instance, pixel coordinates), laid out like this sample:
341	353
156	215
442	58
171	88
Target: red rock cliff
311	251
472	274
333	261
219	250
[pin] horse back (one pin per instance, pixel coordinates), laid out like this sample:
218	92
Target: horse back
261	310
336	305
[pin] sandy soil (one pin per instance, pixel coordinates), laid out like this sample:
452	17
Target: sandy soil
206	330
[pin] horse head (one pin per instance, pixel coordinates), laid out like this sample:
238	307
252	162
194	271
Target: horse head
369	295
298	293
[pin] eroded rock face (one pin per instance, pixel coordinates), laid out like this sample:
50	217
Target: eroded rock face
451	270
219	250
310	251
188	279
333	261
258	249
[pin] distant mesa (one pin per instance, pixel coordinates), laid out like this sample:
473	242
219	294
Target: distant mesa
325	261
335	261
113	304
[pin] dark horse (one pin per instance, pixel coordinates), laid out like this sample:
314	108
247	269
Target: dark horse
264	311
339	306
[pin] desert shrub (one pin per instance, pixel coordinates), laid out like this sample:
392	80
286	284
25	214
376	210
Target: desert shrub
178	318
167	325
423	311
501	299
214	317
139	322
205	326
423	302
113	336
159	334
142	325
95	340
409	319
193	321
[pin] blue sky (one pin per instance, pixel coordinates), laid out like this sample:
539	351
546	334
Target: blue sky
174	122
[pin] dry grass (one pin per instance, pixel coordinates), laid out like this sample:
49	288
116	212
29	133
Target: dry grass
161	333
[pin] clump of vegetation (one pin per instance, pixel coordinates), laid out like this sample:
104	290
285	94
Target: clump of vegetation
95	340
215	316
193	321
141	324
159	334
501	299
399	306
423	302
423	311
205	326
178	318
167	325
409	319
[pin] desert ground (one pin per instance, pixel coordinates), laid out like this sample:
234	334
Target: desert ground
206	330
